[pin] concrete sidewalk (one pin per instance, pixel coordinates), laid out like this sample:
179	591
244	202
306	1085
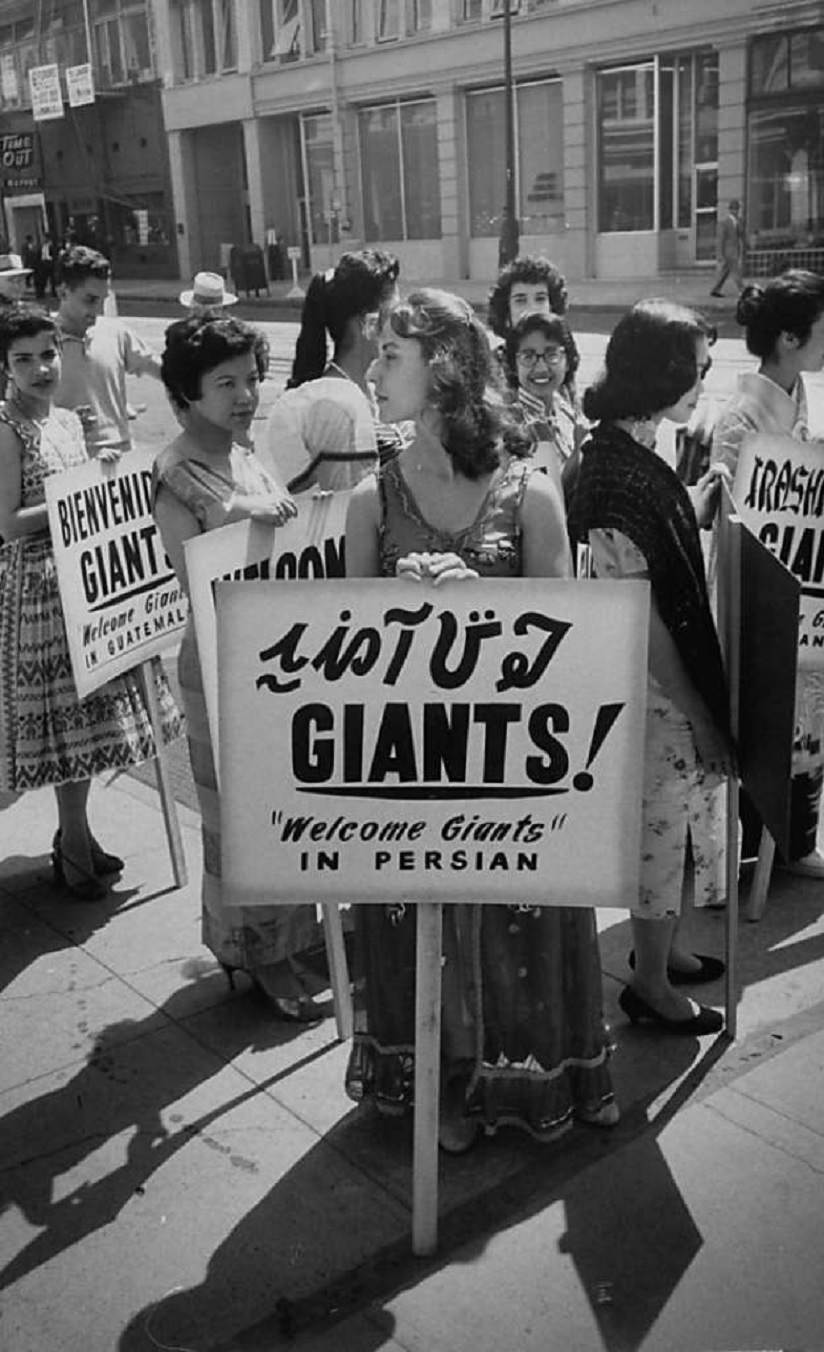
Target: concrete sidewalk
691	287
182	1171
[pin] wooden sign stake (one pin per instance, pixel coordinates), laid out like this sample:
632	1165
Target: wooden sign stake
427	1079
164	787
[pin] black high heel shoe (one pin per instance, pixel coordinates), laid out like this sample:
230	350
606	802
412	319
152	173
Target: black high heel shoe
86	887
711	969
103	863
636	1008
290	1009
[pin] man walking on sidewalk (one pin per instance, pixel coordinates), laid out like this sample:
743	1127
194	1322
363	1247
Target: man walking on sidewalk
730	248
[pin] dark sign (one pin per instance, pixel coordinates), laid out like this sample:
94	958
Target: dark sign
19	161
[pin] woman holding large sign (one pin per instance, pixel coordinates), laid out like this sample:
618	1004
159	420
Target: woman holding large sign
48	735
523	1034
208	477
641	522
784	323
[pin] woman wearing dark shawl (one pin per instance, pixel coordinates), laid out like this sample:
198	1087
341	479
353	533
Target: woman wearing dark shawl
641	522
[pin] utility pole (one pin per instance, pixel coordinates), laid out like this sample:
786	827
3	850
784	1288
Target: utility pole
510	230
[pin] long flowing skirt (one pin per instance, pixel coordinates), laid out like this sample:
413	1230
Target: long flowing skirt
246	937
47	734
522	1016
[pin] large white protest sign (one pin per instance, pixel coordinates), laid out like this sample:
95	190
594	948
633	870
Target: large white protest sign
779	495
474	742
308	546
121	600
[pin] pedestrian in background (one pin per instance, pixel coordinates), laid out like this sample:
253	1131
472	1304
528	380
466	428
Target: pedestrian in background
321	432
212	367
730	249
207	292
523	1038
98	353
641	522
13	278
48	735
784	326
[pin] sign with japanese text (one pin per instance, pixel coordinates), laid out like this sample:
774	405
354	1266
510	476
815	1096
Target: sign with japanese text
122	602
779	495
46	95
480	741
79	85
309	546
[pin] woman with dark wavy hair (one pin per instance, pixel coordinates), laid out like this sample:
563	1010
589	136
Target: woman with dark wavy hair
784	324
541	358
641	522
523	1035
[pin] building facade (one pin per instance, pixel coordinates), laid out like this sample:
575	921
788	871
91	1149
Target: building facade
102	168
336	123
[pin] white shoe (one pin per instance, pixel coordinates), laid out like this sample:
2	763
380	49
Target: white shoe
809	866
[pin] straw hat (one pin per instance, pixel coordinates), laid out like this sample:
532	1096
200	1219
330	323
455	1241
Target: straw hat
208	288
11	265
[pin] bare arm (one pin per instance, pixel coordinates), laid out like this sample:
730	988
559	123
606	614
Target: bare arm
545	543
16	520
362	526
176	524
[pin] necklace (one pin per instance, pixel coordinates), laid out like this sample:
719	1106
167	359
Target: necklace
340	371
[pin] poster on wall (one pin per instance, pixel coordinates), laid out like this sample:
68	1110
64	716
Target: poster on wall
779	495
80	85
9	87
122	602
384	741
46	96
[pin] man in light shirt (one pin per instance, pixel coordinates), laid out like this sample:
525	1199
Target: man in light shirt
98	354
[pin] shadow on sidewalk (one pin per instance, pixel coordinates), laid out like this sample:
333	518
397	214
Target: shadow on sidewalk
129	1078
628	1233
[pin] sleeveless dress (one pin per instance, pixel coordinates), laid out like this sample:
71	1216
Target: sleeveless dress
47	734
240	937
522	1011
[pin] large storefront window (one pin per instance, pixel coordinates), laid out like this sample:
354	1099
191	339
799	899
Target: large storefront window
626	110
785	142
399	171
319	159
658	147
539	158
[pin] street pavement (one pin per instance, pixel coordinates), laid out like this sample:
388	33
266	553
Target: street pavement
181	1171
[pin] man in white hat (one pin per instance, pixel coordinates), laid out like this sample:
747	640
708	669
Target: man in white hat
207	292
12	278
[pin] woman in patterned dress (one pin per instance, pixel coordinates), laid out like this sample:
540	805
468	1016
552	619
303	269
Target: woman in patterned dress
208	477
784	322
641	522
523	1035
48	735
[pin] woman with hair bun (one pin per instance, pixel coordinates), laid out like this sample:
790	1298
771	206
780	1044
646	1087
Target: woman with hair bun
641	522
321	431
523	1034
208	477
784	323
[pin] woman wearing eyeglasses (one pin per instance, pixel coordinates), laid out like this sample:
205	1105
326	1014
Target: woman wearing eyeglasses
641	522
541	359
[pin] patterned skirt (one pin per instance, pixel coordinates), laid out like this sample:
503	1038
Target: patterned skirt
522	1013
47	734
